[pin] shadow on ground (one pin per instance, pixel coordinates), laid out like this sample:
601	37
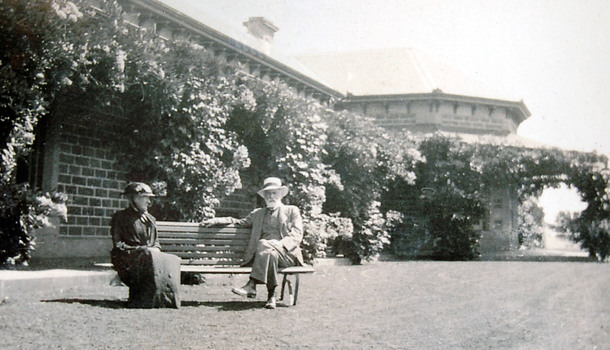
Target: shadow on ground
122	304
108	304
225	305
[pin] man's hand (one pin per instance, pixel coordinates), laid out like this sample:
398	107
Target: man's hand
215	222
208	222
274	242
143	247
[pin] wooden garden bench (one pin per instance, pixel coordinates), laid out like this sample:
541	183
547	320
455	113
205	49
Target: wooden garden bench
216	250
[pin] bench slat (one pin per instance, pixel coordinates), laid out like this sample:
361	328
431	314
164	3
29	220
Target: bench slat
197	224
208	235
216	269
210	262
181	241
201	229
203	255
199	249
186	267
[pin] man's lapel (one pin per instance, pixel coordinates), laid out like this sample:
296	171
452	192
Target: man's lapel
283	218
257	223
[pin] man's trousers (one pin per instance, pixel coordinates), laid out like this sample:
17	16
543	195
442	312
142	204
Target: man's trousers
268	258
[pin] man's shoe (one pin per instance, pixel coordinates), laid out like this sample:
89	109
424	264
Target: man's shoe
270	303
245	291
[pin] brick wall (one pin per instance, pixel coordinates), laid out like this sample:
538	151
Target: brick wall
238	205
91	177
89	174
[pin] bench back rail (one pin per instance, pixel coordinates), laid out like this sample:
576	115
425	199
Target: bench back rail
199	245
216	250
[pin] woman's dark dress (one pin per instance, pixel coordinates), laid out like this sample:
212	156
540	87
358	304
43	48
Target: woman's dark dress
153	277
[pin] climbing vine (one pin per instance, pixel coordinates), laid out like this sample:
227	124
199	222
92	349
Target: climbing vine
451	195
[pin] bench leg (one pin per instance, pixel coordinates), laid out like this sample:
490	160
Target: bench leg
296	288
285	282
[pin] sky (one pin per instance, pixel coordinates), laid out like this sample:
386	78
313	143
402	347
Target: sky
559	200
552	54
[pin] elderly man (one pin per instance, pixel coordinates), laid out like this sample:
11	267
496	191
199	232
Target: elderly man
277	231
153	277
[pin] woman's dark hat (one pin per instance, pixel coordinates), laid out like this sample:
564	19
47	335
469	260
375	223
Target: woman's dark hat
138	188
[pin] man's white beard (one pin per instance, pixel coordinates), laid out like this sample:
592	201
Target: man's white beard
272	204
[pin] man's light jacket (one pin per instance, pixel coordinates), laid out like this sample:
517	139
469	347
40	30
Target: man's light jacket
291	230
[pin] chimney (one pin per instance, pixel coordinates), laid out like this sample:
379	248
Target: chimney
261	28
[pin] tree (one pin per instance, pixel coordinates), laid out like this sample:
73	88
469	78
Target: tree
591	227
31	75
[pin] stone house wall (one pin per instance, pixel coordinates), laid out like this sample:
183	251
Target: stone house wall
430	115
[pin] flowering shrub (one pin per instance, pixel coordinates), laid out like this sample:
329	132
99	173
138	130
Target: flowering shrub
456	202
33	72
170	98
175	99
530	221
26	85
371	236
325	233
593	235
366	158
21	212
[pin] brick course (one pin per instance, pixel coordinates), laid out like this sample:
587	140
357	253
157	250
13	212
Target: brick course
237	205
91	177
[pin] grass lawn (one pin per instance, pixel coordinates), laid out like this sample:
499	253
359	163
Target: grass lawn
385	305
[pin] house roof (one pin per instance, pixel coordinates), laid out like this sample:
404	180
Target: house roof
195	18
394	71
198	12
403	73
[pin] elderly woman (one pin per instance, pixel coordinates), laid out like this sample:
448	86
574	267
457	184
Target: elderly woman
153	277
277	231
